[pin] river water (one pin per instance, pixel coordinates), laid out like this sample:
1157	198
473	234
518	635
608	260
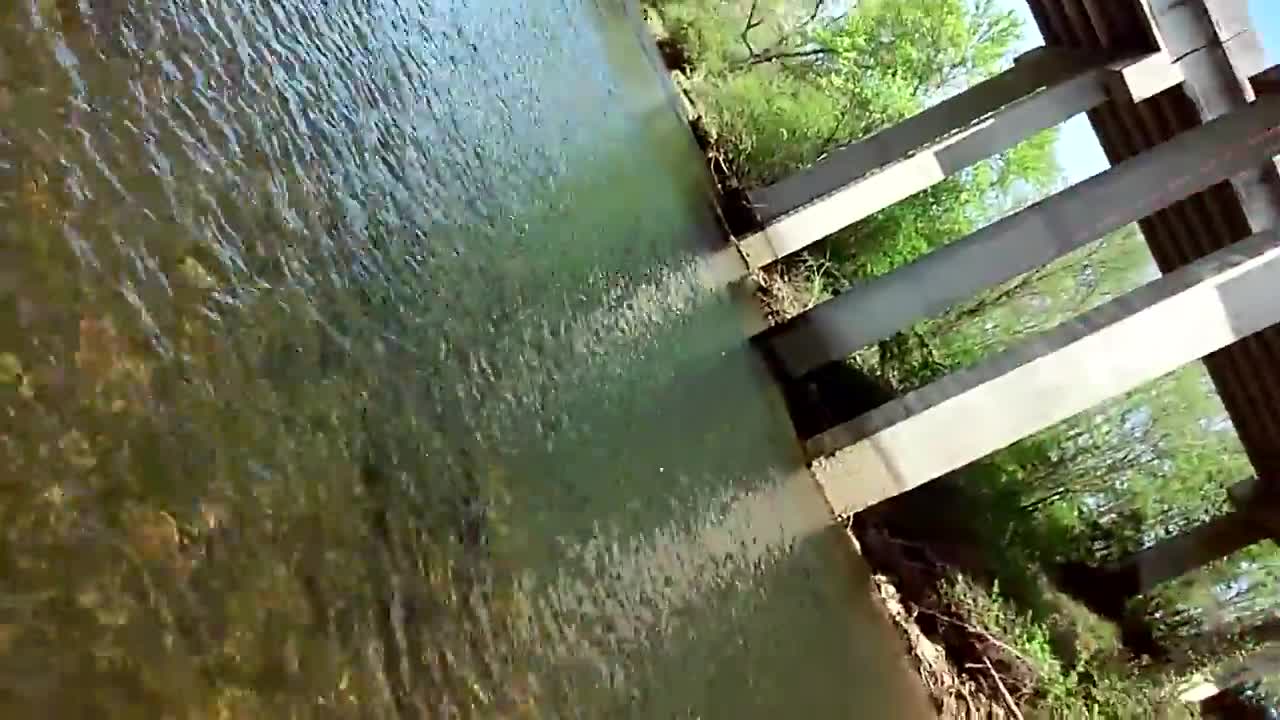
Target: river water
355	362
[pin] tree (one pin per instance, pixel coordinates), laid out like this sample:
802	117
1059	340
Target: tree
791	80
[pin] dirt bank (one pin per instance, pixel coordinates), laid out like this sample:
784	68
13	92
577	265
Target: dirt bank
967	672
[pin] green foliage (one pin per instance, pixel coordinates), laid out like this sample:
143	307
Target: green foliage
777	122
897	56
1090	685
782	85
1047	297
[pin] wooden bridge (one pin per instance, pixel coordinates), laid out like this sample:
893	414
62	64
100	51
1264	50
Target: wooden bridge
1190	121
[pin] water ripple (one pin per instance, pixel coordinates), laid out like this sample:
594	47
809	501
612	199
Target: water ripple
354	362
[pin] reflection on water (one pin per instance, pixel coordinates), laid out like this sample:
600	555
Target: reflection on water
354	363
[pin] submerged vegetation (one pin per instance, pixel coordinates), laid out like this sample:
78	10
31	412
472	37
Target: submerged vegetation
775	85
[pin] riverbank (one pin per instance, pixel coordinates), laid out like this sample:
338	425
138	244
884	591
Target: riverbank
954	692
905	587
981	623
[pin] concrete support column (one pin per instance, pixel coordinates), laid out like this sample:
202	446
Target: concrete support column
1257	666
1122	345
1037	69
1037	235
869	176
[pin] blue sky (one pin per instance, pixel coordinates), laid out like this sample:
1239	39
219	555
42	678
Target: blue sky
1078	150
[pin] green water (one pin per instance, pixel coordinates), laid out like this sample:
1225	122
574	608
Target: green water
354	362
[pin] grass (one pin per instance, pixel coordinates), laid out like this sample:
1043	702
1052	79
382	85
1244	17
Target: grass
1093	684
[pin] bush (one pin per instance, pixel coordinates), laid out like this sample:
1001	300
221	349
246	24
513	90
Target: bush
1090	686
768	124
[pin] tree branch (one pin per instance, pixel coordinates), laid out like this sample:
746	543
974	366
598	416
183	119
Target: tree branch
776	52
764	58
752	24
817	8
1051	497
835	130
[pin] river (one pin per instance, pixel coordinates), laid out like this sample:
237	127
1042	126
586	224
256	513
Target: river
355	361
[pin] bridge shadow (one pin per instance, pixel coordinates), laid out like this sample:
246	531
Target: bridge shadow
829	396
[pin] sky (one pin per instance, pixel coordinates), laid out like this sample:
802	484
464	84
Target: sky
1078	150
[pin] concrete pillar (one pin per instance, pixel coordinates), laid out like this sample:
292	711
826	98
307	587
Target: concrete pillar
1108	589
1127	342
1134	189
869	176
1037	69
1174	557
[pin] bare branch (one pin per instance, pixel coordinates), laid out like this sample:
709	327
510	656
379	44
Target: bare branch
825	146
1051	497
752	24
1004	692
817	8
778	52
787	55
976	631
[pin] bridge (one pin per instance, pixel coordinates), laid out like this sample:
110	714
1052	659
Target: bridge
1189	119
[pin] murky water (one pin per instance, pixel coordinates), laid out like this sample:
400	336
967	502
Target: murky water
354	363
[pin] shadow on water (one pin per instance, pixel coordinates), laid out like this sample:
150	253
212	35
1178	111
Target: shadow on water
355	362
